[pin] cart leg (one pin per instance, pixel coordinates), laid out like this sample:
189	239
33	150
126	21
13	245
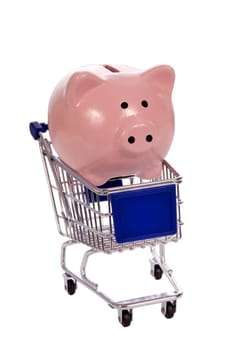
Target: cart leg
162	252
63	253
156	268
83	268
159	267
160	260
69	276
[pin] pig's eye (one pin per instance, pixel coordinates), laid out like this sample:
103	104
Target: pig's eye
124	105
144	103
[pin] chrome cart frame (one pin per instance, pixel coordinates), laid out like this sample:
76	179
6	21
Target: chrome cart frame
85	214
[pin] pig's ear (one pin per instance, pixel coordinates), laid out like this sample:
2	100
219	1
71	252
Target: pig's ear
161	77
79	84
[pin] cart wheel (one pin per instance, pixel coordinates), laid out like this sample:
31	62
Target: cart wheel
125	317
158	272
70	284
169	309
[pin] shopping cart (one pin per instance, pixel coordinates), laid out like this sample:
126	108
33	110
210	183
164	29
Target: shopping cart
123	214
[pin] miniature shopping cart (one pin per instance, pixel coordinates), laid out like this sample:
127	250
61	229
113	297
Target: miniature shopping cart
125	213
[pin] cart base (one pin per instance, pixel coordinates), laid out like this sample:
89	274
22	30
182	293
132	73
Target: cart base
125	307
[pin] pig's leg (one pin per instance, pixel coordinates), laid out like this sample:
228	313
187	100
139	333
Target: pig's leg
151	173
94	178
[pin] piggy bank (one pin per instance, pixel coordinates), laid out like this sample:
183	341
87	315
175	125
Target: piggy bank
111	121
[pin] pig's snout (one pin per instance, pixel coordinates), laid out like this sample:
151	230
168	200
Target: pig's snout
148	138
138	138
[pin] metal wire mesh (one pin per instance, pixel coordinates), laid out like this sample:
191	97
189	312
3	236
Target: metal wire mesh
84	214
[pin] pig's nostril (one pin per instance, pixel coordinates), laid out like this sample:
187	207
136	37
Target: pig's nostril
131	139
149	138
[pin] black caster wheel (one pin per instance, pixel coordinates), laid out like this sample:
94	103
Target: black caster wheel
169	309
158	272
125	317
70	285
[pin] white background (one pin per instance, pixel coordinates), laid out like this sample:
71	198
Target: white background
40	41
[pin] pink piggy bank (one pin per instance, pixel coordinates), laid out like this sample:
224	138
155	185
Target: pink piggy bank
109	121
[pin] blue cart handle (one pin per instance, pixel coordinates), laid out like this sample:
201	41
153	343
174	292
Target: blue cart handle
36	128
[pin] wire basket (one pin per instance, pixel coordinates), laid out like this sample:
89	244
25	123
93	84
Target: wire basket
99	216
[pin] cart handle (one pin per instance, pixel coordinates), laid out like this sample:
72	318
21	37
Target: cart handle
36	128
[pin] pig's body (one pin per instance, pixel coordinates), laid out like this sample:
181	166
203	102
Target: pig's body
114	121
